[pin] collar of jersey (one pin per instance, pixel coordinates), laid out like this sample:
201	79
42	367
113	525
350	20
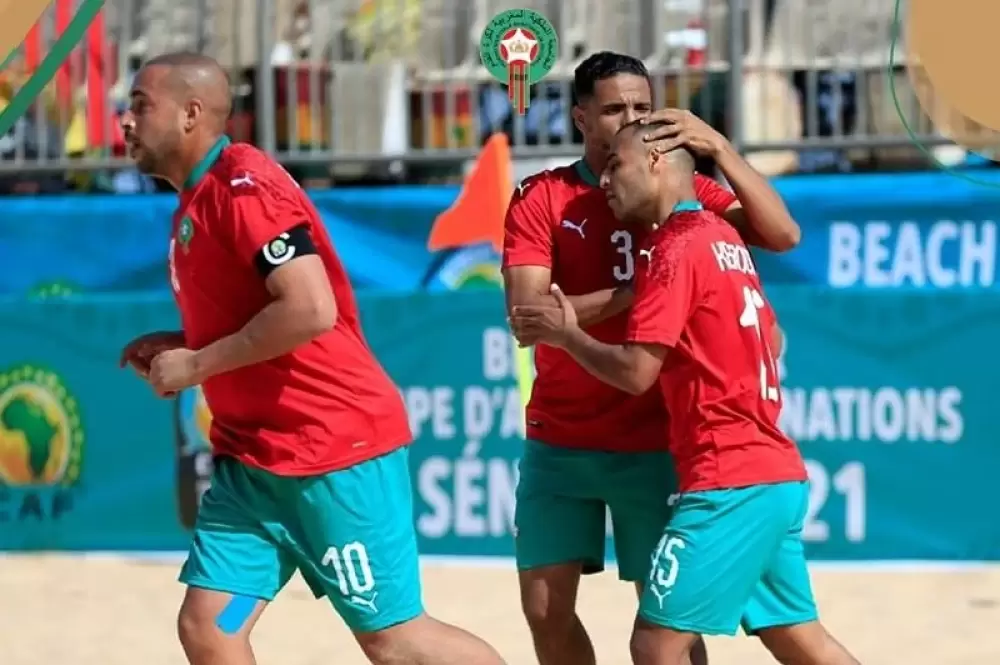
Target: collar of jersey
687	206
207	162
585	174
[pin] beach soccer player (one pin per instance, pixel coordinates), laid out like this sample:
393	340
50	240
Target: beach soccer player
592	447
310	434
698	333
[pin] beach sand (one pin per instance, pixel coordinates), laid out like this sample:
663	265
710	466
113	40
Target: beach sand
66	610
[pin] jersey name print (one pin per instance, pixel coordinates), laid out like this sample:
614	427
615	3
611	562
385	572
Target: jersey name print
702	297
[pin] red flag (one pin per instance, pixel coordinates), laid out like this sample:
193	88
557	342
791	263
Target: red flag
477	215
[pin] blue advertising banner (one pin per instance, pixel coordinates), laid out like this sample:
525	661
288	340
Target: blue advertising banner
919	230
890	395
913	230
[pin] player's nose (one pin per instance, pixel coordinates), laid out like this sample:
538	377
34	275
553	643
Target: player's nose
127	121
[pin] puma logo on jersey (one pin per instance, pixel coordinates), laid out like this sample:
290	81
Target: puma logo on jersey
368	603
661	594
243	181
648	253
566	224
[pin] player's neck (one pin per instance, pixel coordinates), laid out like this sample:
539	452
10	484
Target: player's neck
595	166
683	199
186	165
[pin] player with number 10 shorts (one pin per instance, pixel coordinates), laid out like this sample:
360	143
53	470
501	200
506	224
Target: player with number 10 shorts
310	434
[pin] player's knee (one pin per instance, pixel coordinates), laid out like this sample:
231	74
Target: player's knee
699	653
650	645
548	600
386	647
548	614
197	634
643	648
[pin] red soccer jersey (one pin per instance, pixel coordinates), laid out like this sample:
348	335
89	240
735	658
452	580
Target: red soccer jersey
328	404
560	220
697	291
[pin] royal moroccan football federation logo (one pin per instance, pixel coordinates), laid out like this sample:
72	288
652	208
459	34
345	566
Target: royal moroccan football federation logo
41	437
185	231
518	48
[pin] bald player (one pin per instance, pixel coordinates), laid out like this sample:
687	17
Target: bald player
310	434
731	552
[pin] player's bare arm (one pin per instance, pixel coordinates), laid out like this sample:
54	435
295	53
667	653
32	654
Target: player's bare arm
529	285
632	368
303	309
760	214
528	256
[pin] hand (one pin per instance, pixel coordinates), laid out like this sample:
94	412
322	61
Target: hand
172	371
532	324
684	128
139	353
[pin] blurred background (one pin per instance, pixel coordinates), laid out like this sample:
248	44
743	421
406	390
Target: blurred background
378	107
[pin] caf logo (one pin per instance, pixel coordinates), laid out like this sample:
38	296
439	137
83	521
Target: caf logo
41	444
475	267
194	452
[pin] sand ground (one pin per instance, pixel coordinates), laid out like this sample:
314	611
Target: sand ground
59	610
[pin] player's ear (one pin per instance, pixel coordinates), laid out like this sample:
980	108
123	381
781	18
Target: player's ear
192	111
578	118
655	158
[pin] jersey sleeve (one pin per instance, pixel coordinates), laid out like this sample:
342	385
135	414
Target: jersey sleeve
260	211
664	301
712	195
527	232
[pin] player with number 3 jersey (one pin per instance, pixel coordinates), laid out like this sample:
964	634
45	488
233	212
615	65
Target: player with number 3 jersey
593	448
698	333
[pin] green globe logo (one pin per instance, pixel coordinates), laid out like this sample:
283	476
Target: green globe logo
53	290
467	268
41	440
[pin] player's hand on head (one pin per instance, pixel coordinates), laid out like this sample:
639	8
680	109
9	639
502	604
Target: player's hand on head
544	323
172	371
139	353
683	128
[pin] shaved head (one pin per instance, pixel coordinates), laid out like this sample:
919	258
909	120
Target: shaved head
193	75
180	104
632	134
642	179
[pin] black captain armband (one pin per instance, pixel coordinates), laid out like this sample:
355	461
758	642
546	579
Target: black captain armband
280	250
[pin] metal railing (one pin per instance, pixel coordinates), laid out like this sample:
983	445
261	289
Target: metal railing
363	82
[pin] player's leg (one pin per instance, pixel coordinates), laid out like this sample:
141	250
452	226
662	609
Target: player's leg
235	566
640	489
782	611
697	653
356	544
559	534
705	568
200	624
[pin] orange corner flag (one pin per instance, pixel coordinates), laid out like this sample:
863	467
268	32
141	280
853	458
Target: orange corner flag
478	213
